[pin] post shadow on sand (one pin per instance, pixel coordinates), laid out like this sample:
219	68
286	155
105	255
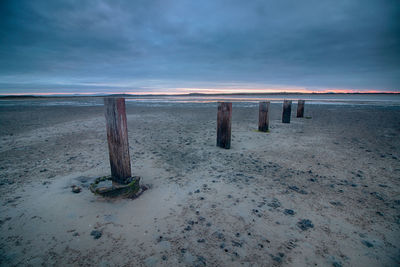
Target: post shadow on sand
120	182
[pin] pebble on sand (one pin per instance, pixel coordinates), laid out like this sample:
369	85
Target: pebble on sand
76	189
288	212
96	234
305	224
367	243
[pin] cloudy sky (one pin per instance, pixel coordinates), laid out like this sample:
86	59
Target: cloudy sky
137	46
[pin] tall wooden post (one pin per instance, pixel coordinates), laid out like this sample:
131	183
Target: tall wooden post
117	136
287	110
224	121
263	116
300	109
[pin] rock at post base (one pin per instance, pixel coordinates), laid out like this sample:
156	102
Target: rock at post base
104	186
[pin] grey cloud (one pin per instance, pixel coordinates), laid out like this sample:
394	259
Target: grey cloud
316	44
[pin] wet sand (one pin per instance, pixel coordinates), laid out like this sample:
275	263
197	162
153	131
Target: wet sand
316	192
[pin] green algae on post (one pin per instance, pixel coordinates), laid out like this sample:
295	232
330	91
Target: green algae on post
103	186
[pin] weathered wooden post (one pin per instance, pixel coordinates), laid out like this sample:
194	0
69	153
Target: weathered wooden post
117	136
224	121
300	109
122	183
263	116
287	110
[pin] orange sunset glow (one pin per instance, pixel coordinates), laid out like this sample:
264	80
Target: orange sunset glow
185	91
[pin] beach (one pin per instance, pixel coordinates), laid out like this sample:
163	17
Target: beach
323	190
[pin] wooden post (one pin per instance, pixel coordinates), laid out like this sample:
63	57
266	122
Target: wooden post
263	116
287	110
117	136
224	121
300	109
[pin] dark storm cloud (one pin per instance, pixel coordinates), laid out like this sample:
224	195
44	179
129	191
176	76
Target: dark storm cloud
150	45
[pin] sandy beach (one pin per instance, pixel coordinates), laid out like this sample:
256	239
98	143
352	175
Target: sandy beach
320	191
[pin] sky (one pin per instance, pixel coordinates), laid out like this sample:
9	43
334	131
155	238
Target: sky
182	46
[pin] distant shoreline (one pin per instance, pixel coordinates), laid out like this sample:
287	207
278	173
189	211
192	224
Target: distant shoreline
180	95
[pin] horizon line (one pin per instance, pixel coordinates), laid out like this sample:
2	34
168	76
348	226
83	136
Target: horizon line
182	91
87	94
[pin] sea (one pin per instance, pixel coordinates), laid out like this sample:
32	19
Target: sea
196	100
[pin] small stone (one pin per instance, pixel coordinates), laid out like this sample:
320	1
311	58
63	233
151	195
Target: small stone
305	224
336	203
218	235
164	258
201	240
288	212
276	258
96	234
367	243
298	190
188	228
76	189
274	204
197	191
